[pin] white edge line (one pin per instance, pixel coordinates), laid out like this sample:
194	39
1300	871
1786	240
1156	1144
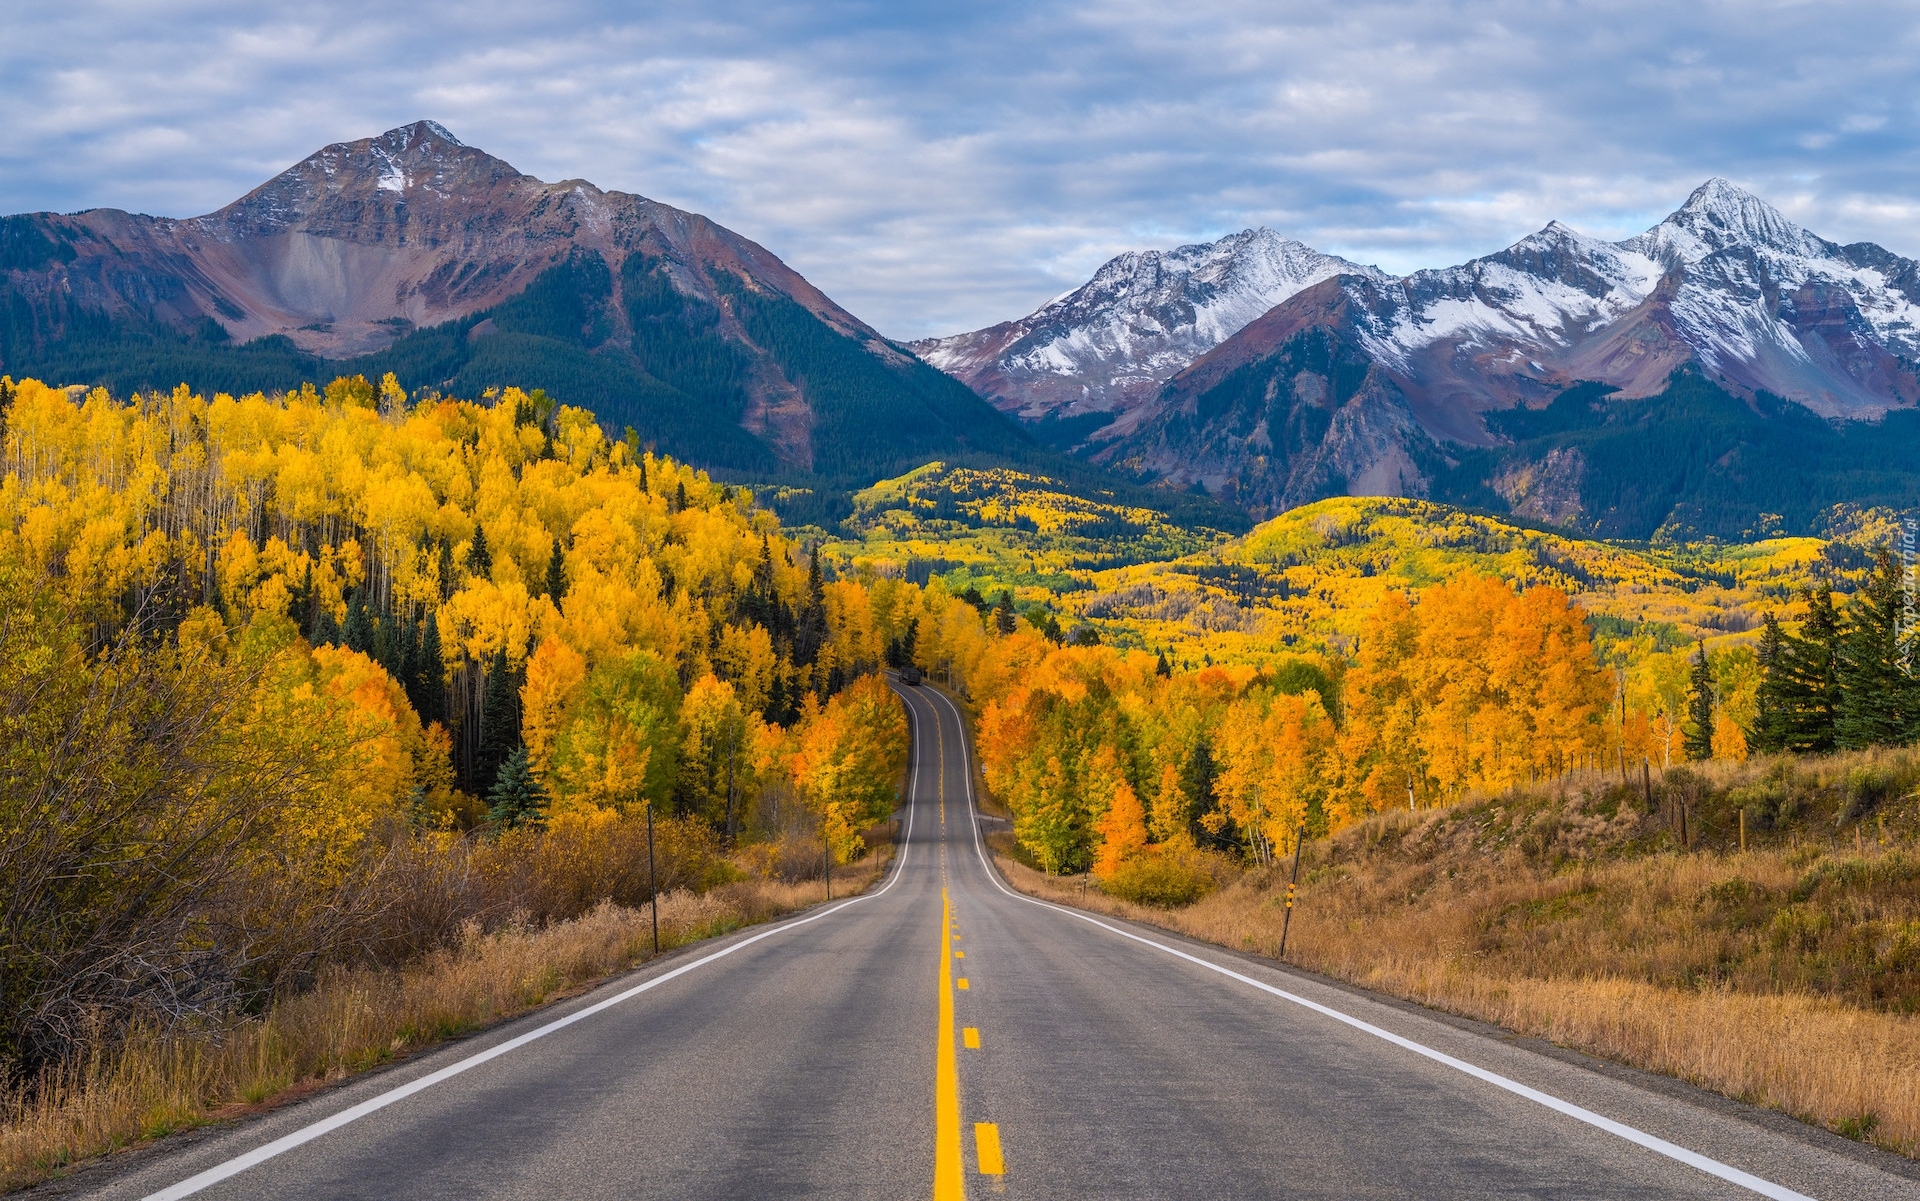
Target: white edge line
307	1134
1674	1151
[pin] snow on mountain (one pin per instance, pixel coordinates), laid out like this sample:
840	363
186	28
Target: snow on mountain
1109	344
1726	280
1726	283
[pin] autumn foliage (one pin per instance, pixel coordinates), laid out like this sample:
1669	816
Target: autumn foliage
1466	685
267	655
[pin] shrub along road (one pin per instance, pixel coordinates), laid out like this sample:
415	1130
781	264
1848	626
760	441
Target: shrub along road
943	1034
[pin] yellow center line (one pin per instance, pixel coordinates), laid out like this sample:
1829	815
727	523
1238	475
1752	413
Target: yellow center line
970	1037
962	983
986	1148
948	1182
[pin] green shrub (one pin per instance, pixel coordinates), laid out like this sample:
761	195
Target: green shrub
1167	878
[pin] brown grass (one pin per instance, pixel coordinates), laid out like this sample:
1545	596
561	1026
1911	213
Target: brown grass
355	1019
1787	976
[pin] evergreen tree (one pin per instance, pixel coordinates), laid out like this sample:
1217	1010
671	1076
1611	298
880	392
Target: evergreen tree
1699	728
384	647
430	674
406	659
1003	618
1774	696
499	721
899	651
1877	705
357	632
300	605
557	573
516	798
1161	667
810	624
1812	676
325	631
446	569
680	496
479	558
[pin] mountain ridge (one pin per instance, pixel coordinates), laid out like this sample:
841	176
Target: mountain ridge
1107	345
1717	324
413	252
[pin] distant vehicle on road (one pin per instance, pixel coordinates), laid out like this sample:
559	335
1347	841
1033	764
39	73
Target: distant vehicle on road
909	674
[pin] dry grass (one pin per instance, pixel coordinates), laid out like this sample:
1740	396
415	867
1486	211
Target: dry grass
1787	975
355	1019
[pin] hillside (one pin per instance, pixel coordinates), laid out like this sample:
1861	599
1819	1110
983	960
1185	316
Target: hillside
1137	576
416	254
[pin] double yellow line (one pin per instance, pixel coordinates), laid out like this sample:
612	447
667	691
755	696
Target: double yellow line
949	1174
949	1184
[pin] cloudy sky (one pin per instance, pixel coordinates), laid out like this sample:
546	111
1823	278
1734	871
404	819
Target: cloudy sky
941	167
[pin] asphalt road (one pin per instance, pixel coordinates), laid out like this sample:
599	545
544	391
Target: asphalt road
876	1048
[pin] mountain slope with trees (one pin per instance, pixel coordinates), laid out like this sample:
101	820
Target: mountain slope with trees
414	254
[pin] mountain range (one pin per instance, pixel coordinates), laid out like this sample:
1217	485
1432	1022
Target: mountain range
1660	383
1094	357
1726	373
414	253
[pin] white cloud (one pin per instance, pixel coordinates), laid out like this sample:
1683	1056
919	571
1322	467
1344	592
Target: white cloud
942	167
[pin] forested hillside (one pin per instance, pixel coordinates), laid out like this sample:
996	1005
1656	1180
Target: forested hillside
269	659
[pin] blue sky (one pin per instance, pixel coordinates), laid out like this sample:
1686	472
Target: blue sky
941	167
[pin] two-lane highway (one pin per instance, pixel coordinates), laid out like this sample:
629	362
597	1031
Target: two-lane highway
943	1035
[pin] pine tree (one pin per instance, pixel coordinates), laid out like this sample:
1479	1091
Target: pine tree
446	570
810	624
556	574
499	721
385	647
1003	618
300	605
899	651
325	631
357	632
516	796
1774	696
479	558
1812	677
1699	728
1161	667
430	674
1878	705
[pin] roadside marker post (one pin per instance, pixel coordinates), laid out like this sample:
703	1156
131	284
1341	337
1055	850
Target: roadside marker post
1286	923
653	882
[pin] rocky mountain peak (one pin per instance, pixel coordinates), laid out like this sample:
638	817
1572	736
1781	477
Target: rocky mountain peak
1721	215
1107	345
347	187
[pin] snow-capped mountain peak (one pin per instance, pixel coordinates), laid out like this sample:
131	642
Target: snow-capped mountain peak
1144	315
1720	215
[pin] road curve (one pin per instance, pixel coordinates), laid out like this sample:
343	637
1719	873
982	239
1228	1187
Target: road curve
944	1036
